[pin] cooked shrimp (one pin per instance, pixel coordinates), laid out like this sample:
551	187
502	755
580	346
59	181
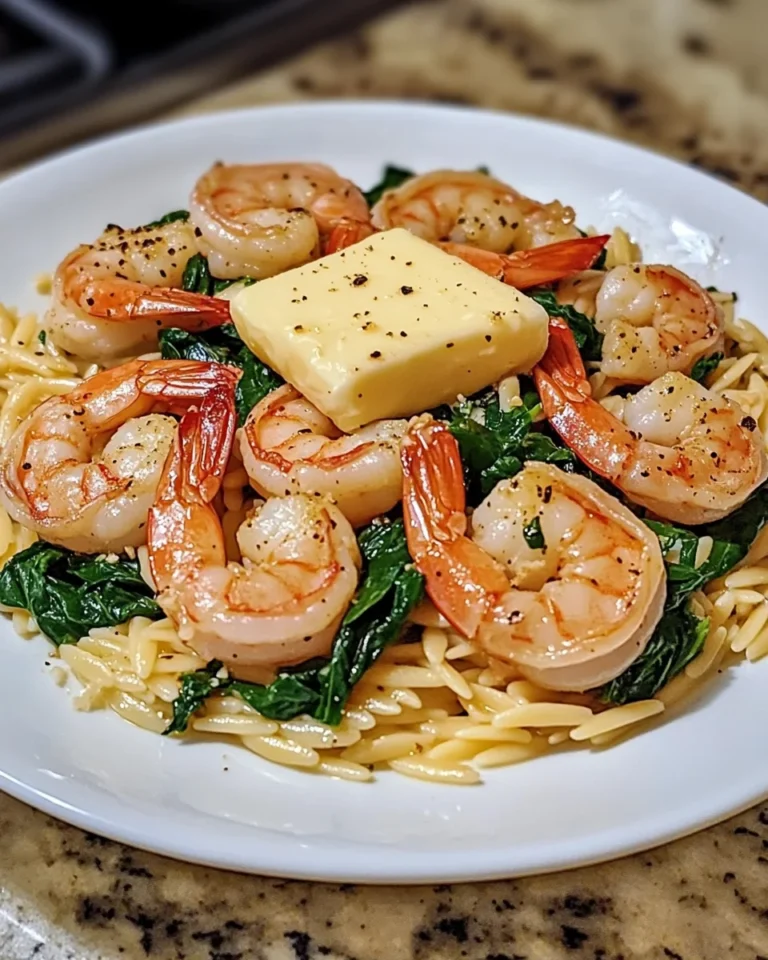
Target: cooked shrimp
59	478
655	319
110	297
472	208
284	604
685	453
288	446
531	268
571	611
257	220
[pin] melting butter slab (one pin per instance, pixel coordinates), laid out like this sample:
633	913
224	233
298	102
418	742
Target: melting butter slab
389	328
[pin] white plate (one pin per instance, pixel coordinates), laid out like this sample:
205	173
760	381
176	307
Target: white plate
223	806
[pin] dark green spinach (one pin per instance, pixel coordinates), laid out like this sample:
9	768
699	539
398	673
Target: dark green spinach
676	641
588	338
743	525
391	178
69	593
392	587
223	345
679	636
291	694
197	278
704	366
495	445
195	689
533	534
683	576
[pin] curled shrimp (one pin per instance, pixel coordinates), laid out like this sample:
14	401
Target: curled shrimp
474	209
572	611
257	220
110	297
655	319
480	219
284	604
288	446
685	453
82	469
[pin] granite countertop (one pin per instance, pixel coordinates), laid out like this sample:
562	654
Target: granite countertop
690	78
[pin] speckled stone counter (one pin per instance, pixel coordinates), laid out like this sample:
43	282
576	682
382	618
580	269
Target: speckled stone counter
690	78
73	895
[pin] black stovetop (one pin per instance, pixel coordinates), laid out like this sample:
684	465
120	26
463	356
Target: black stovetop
60	58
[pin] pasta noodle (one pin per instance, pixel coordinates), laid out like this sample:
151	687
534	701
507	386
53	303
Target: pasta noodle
436	710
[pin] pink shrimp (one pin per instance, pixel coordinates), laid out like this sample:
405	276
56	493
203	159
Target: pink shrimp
257	220
111	297
82	469
655	319
531	268
687	454
301	560
571	612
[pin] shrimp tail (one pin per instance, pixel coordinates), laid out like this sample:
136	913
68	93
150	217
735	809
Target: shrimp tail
554	261
601	441
186	380
183	530
462	580
532	268
205	437
345	233
122	301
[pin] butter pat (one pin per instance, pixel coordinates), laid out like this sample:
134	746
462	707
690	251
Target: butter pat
389	328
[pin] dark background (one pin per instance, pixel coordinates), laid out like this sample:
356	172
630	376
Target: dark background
72	68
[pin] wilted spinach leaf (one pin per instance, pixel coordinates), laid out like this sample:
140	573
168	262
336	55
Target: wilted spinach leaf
704	366
391	178
223	345
588	338
679	636
743	525
197	278
195	689
676	641
683	577
495	445
533	534
286	697
57	587
392	587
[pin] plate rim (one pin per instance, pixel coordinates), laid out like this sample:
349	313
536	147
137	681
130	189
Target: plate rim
290	866
138	130
286	858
